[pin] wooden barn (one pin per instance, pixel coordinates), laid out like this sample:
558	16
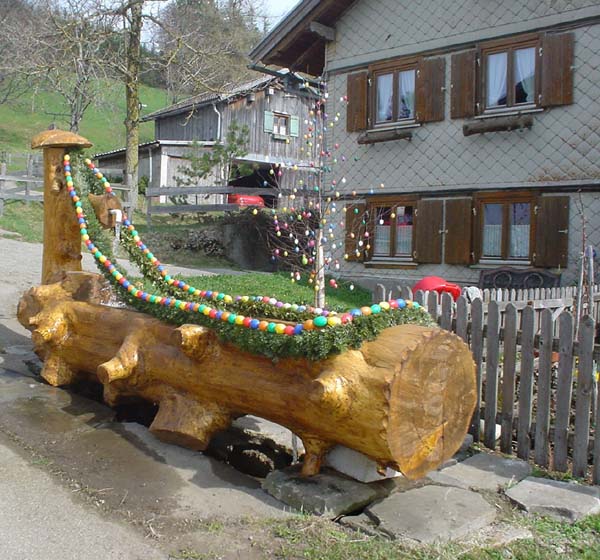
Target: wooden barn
273	107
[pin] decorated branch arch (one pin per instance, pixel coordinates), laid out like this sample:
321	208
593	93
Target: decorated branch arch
380	379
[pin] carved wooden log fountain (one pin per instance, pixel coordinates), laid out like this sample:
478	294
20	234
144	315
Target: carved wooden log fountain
404	399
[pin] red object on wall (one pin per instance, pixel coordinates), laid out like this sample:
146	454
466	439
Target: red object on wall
437	284
246	200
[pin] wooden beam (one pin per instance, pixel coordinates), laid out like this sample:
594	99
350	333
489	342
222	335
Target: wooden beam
172	191
186	208
324	31
499	124
372	137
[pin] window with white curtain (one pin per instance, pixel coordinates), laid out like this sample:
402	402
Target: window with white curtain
392	227
506	226
406	94
509	76
383	230
395	95
524	75
385	97
496	79
404	231
492	230
520	226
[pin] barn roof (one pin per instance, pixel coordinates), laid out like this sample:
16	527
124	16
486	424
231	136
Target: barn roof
207	98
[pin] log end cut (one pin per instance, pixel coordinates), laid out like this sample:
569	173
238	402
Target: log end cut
431	397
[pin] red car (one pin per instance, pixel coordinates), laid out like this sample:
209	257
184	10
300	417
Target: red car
246	200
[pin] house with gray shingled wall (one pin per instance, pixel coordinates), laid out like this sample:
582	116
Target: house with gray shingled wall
470	133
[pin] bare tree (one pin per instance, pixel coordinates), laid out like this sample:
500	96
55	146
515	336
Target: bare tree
58	48
206	43
12	83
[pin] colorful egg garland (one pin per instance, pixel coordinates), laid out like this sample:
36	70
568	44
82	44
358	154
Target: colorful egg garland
203	294
323	319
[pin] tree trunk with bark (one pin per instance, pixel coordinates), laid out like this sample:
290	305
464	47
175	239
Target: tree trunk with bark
404	399
132	96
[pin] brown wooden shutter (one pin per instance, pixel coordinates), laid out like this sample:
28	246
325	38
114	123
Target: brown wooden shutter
557	69
428	234
459	217
430	89
551	231
356	110
464	85
354	226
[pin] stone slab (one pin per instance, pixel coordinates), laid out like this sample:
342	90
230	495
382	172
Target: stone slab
328	493
356	465
482	472
432	514
279	435
564	501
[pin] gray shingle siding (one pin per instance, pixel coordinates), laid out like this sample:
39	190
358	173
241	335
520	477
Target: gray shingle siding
377	29
563	145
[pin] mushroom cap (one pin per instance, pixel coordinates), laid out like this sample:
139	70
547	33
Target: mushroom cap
59	139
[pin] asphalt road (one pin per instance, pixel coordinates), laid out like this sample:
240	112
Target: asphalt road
76	485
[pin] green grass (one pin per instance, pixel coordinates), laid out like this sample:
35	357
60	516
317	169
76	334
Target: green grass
102	124
321	540
26	219
279	286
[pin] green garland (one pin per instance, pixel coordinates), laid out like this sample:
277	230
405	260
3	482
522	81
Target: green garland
314	345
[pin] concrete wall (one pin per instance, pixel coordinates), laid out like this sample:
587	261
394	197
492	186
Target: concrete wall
563	145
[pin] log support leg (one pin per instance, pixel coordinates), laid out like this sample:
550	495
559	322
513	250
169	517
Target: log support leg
123	364
186	422
315	450
57	371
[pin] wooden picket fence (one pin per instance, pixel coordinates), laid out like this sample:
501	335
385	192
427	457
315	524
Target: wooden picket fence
537	391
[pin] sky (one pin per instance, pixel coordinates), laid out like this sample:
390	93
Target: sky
276	9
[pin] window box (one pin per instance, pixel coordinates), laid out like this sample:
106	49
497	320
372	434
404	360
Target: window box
497	124
374	136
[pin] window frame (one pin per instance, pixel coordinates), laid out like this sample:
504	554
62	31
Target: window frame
505	198
509	46
276	131
393	67
393	203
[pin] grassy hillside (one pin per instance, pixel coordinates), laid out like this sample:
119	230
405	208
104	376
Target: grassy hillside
102	124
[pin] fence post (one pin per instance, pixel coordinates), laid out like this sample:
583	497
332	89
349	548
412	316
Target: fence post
526	384
2	172
432	304
29	172
508	378
419	297
446	316
491	374
542	417
564	388
462	317
62	240
477	350
584	396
